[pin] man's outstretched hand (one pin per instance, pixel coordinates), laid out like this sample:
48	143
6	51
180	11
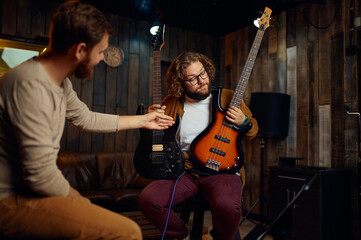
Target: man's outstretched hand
156	119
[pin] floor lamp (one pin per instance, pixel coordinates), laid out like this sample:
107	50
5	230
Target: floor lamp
271	110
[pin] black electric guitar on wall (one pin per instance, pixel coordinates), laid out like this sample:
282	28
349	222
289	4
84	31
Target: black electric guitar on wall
218	149
158	155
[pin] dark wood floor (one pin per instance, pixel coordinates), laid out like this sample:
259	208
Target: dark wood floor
150	233
244	229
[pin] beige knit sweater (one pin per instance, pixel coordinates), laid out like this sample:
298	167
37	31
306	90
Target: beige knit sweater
33	110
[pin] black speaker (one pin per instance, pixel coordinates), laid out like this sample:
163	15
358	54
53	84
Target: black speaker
272	112
320	212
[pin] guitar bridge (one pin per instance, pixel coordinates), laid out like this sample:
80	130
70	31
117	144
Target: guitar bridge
214	165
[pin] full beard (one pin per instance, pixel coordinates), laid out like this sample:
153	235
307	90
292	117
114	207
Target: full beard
198	95
83	70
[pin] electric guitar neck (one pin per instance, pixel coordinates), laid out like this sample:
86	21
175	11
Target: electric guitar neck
158	155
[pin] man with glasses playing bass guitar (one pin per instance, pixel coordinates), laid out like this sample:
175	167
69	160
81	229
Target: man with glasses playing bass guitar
191	96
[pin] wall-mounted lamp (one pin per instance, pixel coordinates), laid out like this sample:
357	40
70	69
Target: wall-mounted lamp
255	22
154	29
156	24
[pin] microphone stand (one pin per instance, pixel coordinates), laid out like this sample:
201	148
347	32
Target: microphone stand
260	199
359	160
359	128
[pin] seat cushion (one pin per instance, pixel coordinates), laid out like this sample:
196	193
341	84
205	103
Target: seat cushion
118	200
116	170
80	169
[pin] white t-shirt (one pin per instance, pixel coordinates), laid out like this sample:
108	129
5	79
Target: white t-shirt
195	119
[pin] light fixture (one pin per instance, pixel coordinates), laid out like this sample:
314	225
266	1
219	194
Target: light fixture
256	22
154	29
156	24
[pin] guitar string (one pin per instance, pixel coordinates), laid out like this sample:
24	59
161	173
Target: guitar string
157	134
224	130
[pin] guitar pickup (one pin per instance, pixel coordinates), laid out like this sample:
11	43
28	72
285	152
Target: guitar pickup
157	158
216	151
223	139
157	148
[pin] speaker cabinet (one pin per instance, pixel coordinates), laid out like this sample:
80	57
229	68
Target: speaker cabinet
272	112
322	212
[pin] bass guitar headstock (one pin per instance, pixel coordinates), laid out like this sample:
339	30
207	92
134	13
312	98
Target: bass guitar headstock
263	22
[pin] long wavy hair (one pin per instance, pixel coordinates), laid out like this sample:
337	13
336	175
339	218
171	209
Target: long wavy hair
175	76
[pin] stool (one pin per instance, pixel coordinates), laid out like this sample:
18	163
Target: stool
198	204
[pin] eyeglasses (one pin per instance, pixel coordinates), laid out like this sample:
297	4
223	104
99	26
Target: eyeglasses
194	80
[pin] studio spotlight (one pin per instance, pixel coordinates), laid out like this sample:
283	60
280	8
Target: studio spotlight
255	22
154	29
156	24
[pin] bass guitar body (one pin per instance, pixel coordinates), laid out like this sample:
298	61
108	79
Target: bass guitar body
158	155
218	149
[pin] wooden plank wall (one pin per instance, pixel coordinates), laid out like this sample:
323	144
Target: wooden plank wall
296	57
110	90
305	53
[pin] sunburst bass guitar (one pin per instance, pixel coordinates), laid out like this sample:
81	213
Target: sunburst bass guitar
218	149
158	155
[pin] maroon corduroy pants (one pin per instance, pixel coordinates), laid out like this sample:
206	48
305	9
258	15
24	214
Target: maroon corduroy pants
223	192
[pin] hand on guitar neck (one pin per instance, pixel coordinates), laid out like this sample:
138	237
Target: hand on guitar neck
156	107
160	121
235	116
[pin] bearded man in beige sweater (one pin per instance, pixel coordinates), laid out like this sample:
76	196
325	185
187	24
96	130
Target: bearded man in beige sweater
36	201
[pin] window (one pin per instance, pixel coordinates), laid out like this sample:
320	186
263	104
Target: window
13	52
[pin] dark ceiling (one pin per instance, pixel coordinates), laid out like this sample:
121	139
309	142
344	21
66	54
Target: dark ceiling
214	17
